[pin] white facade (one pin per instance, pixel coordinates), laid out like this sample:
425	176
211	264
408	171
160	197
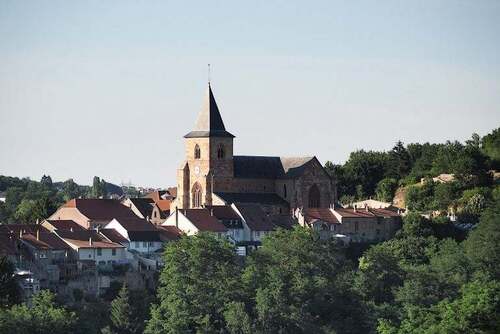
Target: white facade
178	219
142	246
102	255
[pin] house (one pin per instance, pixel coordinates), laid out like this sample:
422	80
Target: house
141	235
192	221
92	248
360	225
163	199
146	208
228	217
371	203
92	213
256	222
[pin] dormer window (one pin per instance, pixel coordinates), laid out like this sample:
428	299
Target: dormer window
220	152
197	152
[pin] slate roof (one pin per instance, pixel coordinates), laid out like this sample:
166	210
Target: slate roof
209	123
260	167
136	224
203	221
144	205
144	235
255	217
260	198
284	221
100	209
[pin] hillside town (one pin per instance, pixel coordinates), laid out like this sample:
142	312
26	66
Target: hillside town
87	243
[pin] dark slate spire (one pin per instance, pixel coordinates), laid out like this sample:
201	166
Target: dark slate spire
209	123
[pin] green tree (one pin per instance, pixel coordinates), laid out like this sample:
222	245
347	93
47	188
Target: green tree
10	292
491	147
237	319
42	317
198	282
386	189
122	316
399	162
98	189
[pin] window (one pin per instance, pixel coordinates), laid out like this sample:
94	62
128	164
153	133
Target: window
137	245
257	234
378	232
144	244
197	152
113	252
220	152
314	197
99	251
150	244
197	195
284	191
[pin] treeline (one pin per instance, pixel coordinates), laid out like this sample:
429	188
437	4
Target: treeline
28	200
379	174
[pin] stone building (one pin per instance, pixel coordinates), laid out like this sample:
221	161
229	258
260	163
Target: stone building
212	175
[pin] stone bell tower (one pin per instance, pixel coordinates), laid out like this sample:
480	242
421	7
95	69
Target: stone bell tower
209	158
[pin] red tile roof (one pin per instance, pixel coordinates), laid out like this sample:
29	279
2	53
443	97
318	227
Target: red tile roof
322	214
25	228
112	235
45	241
81	239
203	221
100	209
65	225
169	233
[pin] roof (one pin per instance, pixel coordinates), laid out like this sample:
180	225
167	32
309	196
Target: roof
8	244
155	195
144	205
259	198
64	225
136	224
255	217
223	212
81	239
25	228
366	212
324	214
164	204
158	198
269	167
144	235
45	240
209	123
112	235
168	232
285	221
100	209
203	220
172	191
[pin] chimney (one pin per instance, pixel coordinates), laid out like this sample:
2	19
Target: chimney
38	234
37	221
366	207
211	211
147	218
176	218
20	233
354	208
90	241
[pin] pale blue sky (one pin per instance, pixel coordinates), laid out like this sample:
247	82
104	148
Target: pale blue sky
109	88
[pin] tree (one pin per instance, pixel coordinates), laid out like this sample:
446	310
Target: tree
98	189
46	181
198	282
398	162
491	147
122	316
298	286
237	319
10	292
42	317
386	189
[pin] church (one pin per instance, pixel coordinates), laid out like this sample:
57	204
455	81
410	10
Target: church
212	175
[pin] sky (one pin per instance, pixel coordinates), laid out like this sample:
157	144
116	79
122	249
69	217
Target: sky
109	88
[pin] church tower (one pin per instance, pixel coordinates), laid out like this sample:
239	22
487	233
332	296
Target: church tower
209	158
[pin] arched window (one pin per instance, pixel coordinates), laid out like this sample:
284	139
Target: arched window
284	191
314	197
197	196
220	152
197	152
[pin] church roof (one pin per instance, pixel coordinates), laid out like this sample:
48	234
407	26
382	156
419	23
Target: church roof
256	198
209	123
269	167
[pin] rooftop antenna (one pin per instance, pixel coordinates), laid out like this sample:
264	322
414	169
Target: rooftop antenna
209	74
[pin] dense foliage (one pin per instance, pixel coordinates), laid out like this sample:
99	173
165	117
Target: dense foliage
379	174
27	201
